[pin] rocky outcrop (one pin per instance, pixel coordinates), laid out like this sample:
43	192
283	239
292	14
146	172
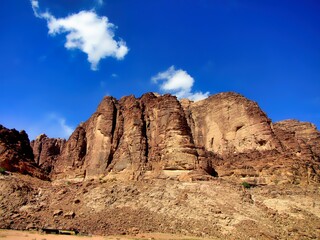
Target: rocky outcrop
46	151
158	136
230	123
16	154
154	136
299	138
169	137
225	138
132	136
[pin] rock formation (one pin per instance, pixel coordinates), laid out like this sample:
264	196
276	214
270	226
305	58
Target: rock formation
157	136
16	154
225	138
230	123
132	136
299	138
46	151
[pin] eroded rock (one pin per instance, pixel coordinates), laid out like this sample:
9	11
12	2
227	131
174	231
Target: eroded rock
16	154
159	136
46	151
224	135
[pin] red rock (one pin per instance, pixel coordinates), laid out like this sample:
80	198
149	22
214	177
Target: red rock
46	150
16	154
225	135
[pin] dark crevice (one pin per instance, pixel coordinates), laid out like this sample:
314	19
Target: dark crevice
83	147
114	121
144	130
113	146
187	120
262	142
211	142
239	127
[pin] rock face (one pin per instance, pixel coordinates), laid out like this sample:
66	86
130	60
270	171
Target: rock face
299	138
46	151
225	138
156	136
16	154
131	136
230	123
159	136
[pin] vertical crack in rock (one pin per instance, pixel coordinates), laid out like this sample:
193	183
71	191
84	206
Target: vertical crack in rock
113	145
144	130
83	146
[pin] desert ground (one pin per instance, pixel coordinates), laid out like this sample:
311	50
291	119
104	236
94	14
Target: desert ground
216	209
33	235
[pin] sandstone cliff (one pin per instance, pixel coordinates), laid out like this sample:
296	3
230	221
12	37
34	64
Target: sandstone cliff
154	136
131	136
230	123
225	138
225	135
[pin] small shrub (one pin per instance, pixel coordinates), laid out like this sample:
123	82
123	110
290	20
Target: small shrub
2	170
246	185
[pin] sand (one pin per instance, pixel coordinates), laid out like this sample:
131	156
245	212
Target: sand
28	235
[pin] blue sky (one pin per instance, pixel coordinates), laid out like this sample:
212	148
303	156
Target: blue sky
267	50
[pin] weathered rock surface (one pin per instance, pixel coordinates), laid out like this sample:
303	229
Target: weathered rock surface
230	123
159	136
225	138
46	150
299	138
16	154
131	136
156	136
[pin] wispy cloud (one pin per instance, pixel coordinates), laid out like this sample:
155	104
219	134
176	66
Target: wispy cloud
114	75
60	125
179	83
99	2
52	124
86	31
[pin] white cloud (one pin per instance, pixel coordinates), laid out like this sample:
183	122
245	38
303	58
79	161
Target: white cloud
179	83
35	7
92	34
